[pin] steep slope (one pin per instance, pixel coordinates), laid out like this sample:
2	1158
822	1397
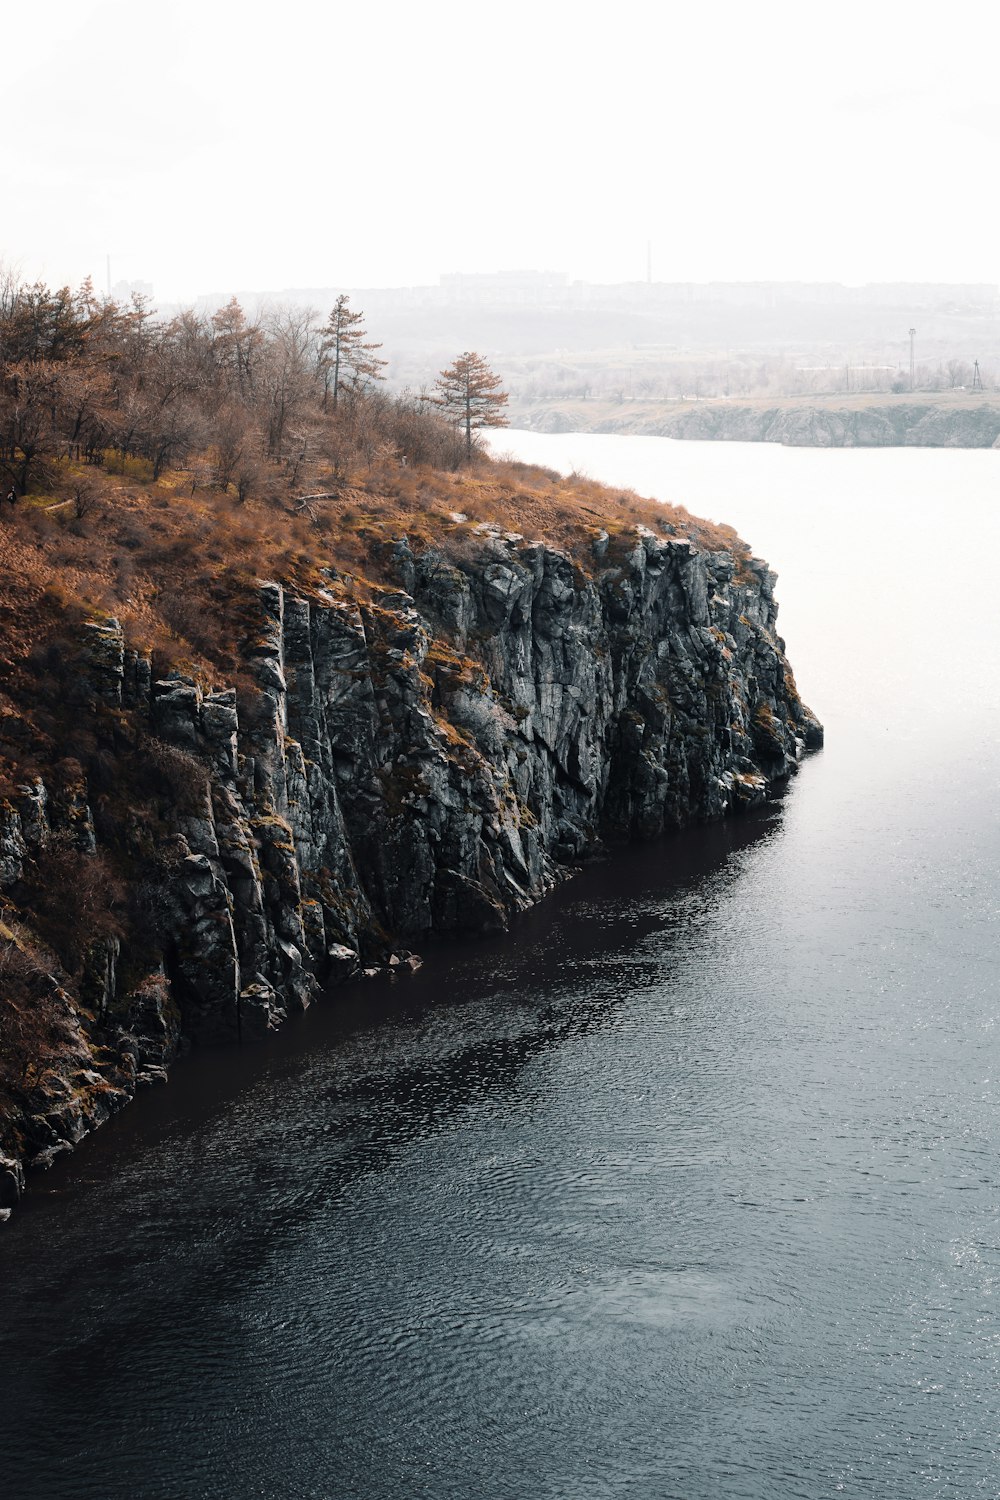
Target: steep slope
427	754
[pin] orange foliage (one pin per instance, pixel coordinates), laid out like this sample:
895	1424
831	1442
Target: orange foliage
177	568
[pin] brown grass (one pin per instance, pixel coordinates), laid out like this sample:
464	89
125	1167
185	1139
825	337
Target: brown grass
177	568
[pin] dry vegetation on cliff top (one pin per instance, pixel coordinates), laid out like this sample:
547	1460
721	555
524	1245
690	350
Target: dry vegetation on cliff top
161	467
177	567
174	566
161	471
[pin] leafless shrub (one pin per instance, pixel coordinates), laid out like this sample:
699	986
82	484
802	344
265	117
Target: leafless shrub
182	775
86	492
74	897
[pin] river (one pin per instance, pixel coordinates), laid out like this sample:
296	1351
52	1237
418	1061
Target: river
684	1190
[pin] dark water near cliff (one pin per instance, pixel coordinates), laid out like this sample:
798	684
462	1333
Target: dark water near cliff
688	1189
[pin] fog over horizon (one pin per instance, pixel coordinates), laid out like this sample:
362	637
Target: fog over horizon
207	151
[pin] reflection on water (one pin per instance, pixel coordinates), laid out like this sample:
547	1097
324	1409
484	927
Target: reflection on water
683	1190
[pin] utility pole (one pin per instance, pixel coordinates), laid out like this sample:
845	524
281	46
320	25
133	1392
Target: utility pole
913	334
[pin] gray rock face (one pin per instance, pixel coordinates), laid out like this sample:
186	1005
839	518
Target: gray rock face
428	762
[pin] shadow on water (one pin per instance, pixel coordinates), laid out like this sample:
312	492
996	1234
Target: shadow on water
133	1261
366	1049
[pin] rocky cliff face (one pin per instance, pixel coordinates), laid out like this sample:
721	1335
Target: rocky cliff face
427	758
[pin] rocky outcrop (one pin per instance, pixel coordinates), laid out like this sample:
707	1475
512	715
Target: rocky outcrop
917	424
429	757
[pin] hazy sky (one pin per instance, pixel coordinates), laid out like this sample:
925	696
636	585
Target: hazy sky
214	146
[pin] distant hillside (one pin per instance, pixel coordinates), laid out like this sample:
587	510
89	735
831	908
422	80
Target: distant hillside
577	340
948	420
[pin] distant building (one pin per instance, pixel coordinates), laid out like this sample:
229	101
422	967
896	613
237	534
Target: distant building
506	279
507	287
123	291
926	294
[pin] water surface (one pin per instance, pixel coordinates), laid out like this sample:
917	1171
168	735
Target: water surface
684	1191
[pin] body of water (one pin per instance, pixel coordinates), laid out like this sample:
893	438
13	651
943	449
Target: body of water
684	1190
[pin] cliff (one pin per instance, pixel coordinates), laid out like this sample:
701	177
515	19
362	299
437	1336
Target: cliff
864	422
423	755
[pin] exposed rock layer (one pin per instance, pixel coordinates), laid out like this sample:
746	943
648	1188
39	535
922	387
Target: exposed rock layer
428	761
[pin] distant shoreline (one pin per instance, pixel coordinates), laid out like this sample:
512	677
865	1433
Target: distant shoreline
917	420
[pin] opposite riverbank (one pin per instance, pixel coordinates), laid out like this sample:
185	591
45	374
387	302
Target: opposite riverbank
953	419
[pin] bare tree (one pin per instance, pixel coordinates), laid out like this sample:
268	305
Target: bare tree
345	357
285	383
471	395
29	407
237	345
237	450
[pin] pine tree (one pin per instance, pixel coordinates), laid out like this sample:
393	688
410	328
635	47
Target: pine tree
346	356
472	395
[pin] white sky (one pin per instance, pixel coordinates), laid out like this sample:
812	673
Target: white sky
215	146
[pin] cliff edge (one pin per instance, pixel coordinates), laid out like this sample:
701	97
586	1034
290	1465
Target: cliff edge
425	753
